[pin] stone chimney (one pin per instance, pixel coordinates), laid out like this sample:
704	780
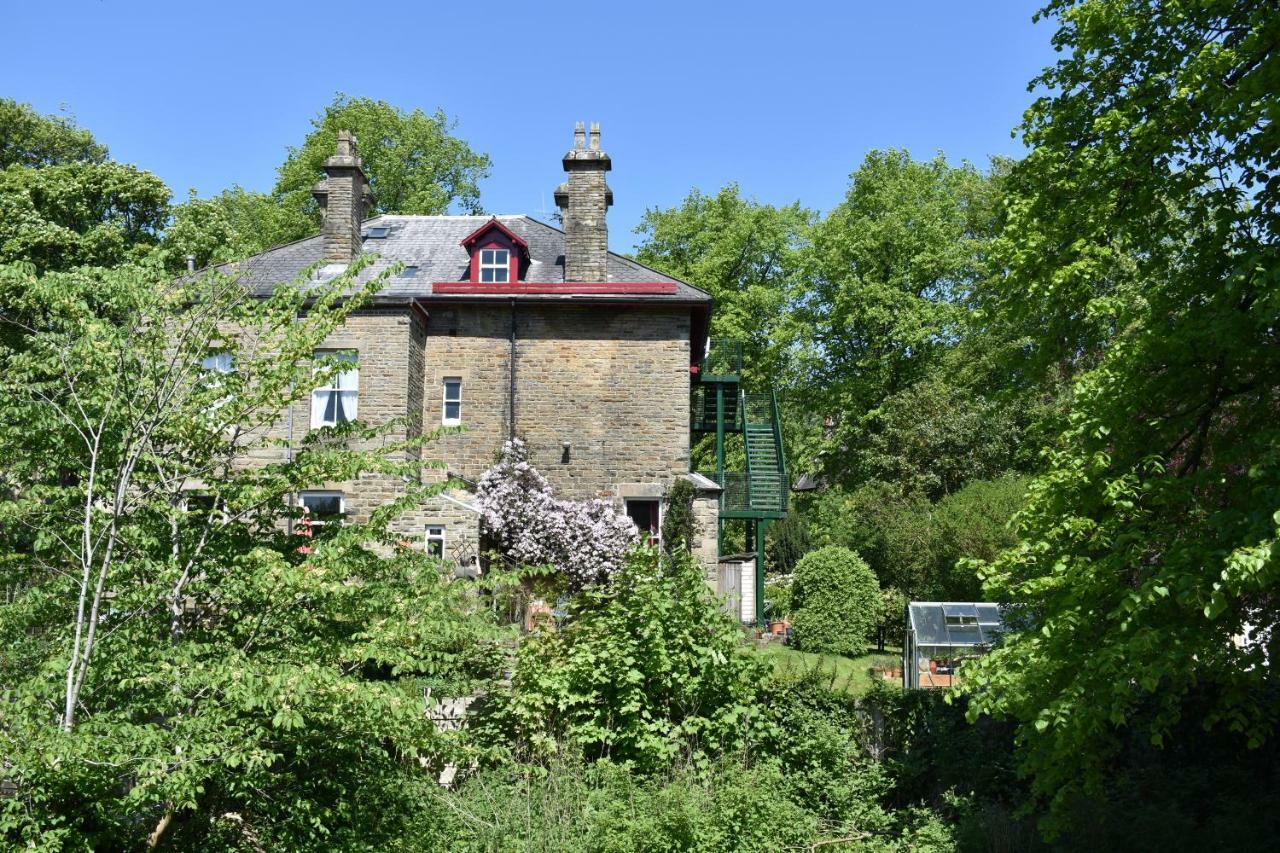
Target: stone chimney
345	197
583	201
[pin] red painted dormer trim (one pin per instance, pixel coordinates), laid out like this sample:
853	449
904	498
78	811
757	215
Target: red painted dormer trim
494	235
469	241
565	288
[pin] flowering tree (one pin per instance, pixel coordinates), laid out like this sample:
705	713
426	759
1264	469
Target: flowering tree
582	540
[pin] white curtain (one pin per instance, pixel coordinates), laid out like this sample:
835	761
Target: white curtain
337	403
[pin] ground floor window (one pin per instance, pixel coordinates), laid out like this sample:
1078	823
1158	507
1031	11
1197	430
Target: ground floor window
435	541
321	508
645	513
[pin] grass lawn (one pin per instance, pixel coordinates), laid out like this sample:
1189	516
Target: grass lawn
852	675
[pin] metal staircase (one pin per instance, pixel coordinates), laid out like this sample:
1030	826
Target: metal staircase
766	471
759	494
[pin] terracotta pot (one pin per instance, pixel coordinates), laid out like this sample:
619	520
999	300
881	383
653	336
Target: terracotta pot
779	627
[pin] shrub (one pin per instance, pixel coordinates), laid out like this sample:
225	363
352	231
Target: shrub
647	671
679	527
582	540
835	602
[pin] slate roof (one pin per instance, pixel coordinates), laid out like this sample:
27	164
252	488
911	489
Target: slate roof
433	244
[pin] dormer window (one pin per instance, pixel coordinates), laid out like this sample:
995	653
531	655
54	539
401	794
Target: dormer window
499	256
495	265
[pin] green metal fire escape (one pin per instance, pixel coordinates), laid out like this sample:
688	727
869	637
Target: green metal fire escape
758	494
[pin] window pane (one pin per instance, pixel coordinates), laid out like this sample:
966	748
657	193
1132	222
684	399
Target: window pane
500	256
452	410
453	389
500	274
486	274
218	362
486	256
322	505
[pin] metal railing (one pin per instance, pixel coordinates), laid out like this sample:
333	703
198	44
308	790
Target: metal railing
724	358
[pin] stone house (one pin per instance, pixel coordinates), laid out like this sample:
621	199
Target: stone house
508	327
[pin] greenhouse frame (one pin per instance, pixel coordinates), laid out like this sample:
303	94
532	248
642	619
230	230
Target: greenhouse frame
941	635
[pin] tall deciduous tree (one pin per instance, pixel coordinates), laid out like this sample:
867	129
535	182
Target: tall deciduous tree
178	667
1141	250
30	139
414	162
62	216
747	255
890	270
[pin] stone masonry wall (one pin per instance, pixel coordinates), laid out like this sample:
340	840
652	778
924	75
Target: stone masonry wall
612	382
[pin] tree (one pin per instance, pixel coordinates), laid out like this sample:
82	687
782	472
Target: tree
32	140
66	215
414	163
835	602
1148	556
890	270
179	667
746	255
234	224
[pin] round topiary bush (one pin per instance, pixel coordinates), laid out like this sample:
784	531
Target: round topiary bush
835	602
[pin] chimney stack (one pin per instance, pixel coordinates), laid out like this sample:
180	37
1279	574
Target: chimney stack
345	197
583	201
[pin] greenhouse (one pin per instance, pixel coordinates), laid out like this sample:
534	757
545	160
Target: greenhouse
941	635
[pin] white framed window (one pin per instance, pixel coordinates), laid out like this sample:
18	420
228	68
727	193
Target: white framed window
336	402
322	507
434	541
216	365
495	265
451	413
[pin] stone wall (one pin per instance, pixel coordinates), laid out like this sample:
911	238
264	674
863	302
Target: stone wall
612	382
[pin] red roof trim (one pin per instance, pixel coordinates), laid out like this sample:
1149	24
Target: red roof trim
470	240
570	288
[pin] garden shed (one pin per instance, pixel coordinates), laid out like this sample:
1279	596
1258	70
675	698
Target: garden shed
941	635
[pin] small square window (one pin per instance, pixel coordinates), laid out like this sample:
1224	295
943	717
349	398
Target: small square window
377	232
409	272
495	265
434	541
452	414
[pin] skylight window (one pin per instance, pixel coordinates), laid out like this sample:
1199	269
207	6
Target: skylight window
409	272
377	232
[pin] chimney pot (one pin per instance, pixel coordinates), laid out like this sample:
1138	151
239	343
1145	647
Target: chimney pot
579	137
595	136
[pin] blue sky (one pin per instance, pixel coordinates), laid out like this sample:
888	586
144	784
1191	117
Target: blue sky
784	98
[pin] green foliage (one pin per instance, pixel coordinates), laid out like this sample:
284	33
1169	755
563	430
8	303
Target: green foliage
414	163
918	546
234	224
890	268
786	541
679	527
746	255
182	665
1150	541
646	671
835	602
604	807
30	139
934	436
66	215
